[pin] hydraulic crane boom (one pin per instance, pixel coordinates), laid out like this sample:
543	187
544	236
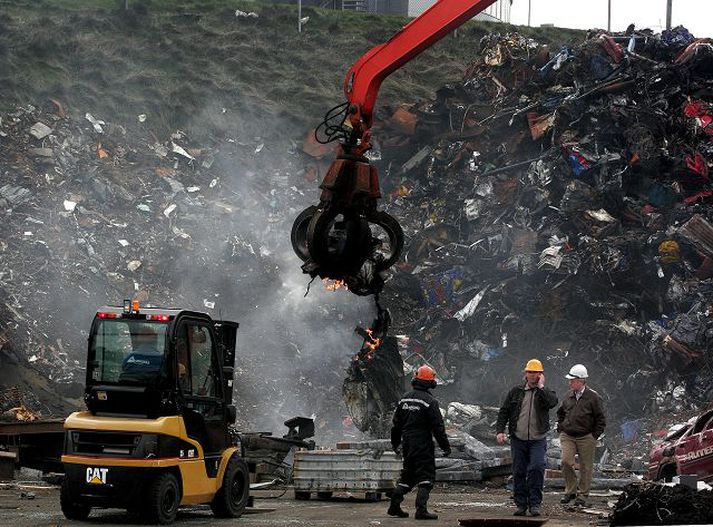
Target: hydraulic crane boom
364	78
345	237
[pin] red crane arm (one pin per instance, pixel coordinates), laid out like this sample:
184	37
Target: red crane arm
350	188
361	85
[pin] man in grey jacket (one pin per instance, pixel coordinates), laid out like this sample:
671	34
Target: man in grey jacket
526	411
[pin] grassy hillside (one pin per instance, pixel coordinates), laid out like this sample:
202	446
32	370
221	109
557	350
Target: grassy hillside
195	65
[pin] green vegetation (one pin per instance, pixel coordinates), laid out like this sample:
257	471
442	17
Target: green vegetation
193	64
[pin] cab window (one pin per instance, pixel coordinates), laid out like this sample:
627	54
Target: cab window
202	374
127	351
183	362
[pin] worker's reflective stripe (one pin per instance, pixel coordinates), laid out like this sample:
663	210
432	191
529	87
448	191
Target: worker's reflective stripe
419	401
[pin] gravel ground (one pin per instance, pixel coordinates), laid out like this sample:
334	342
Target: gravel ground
37	504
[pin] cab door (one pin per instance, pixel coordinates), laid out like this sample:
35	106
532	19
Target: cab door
199	382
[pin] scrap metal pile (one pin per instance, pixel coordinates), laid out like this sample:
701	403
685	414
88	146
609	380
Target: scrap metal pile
94	212
649	504
557	204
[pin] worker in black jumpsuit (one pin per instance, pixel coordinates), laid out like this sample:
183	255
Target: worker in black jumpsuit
417	420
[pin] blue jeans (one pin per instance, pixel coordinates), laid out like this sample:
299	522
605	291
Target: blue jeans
528	470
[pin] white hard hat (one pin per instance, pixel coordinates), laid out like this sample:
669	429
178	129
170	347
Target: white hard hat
578	371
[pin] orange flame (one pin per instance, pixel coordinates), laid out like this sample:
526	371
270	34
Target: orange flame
373	342
333	285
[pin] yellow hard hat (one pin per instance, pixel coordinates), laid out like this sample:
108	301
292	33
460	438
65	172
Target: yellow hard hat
534	365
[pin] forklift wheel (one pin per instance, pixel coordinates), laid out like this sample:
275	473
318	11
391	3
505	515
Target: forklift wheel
232	497
162	500
72	509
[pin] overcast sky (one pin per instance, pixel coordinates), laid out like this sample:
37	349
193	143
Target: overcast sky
696	15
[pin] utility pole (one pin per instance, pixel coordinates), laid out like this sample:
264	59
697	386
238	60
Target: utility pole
609	17
529	11
669	8
299	16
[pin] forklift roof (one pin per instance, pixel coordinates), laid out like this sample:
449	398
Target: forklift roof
171	311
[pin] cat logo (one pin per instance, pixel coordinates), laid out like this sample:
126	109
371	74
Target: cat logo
97	476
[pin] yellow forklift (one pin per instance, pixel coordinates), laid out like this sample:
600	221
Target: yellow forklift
157	431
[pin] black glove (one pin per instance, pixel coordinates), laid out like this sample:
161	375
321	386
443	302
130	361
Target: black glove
397	450
447	452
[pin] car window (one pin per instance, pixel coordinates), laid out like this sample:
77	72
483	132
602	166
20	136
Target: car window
677	432
701	422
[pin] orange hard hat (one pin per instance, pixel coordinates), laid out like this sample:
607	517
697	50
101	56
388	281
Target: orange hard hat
534	365
425	373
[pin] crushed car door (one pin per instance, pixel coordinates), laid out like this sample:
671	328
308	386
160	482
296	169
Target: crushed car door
691	452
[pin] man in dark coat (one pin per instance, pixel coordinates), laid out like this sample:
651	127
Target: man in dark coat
580	422
417	420
526	411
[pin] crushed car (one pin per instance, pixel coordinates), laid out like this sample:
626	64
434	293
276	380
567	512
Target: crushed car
686	449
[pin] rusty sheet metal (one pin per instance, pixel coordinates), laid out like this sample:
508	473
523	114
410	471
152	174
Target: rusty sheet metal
345	470
32	427
700	232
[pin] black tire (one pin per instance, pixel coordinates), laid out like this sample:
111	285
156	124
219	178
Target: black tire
338	260
162	499
72	508
232	497
325	494
301	495
396	237
298	235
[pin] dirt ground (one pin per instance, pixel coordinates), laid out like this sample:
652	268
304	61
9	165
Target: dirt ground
342	511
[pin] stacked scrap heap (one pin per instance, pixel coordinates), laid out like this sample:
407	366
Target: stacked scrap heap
557	204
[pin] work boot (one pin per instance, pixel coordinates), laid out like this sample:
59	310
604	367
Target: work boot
421	502
567	498
520	511
580	502
535	510
397	496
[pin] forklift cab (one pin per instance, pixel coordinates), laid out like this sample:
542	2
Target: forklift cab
159	386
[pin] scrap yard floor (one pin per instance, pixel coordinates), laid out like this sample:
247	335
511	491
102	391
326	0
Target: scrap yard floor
451	504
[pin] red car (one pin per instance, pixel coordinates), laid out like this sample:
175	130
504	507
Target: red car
687	449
